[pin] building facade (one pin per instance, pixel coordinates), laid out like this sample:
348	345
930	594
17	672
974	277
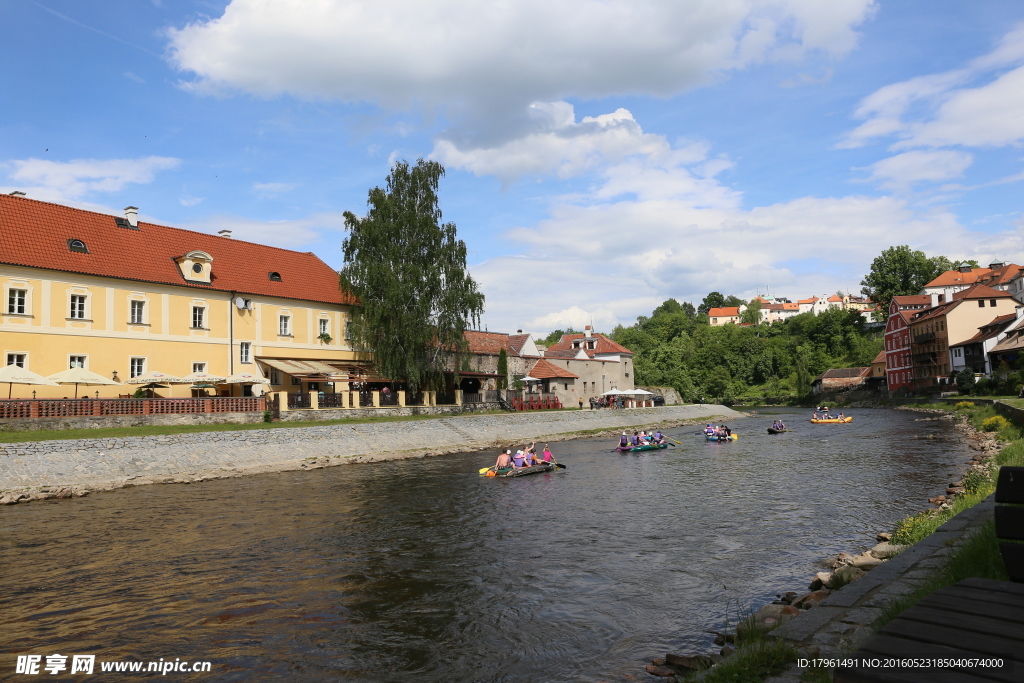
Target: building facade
122	297
899	366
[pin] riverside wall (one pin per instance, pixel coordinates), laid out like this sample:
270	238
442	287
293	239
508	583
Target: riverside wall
47	469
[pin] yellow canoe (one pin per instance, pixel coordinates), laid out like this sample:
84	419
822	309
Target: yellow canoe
833	421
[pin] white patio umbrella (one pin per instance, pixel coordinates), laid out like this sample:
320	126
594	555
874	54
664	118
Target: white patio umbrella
78	376
201	378
154	376
613	392
245	378
529	379
13	374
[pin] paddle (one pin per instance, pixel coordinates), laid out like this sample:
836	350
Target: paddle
485	470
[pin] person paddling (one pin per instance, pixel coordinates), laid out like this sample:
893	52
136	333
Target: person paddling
504	462
547	457
624	441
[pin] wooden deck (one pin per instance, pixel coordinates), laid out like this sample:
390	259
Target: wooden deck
976	618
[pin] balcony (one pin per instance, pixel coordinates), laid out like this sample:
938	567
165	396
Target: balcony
924	338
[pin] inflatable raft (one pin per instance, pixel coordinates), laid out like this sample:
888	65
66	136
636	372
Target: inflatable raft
645	447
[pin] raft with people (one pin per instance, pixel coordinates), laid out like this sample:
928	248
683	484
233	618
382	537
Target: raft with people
720	437
644	447
523	471
641	441
773	430
831	420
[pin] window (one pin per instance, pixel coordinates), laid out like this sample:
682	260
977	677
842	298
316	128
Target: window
76	361
197	268
198	313
981	303
136	367
956	353
275	377
324	324
245	352
275	276
78	306
348	330
284	325
992	303
78	245
296	381
137	311
199	367
16	359
16	301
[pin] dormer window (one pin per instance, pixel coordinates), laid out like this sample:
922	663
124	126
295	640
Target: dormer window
196	266
274	276
78	245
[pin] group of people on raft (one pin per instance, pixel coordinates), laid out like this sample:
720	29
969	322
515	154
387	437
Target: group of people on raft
823	414
778	425
721	431
524	457
641	439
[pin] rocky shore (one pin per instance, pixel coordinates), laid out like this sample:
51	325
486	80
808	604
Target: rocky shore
840	570
65	469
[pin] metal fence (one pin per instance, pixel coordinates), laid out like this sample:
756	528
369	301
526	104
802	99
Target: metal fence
445	398
334	400
299	400
488	396
389	399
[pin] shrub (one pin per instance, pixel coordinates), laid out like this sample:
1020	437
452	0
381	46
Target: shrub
268	416
963	405
995	423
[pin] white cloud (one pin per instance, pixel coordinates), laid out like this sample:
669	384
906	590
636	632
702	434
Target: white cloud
576	318
273	189
979	105
60	180
188	200
452	52
903	170
288	234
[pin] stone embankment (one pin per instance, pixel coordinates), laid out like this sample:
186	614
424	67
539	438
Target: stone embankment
836	612
74	467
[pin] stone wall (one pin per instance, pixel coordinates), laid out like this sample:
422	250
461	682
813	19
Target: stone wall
672	397
74	465
326	414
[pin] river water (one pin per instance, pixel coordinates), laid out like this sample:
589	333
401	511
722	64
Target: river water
423	570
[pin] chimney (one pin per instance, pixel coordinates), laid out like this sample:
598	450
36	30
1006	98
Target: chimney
131	214
1019	312
935	299
965	269
17	193
224	233
995	264
589	330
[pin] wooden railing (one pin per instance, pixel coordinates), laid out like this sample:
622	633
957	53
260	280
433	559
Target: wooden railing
99	407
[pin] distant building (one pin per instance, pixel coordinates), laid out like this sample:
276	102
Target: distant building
725	315
899	367
840	379
973	353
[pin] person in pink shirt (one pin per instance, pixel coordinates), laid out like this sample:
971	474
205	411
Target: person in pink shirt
547	454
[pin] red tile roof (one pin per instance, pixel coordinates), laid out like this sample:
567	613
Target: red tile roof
912	300
835	297
726	312
486	343
543	369
516	342
602	345
35	234
880	358
808	301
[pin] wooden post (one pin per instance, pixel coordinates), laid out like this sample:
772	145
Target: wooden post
458	397
314	400
401	399
376	398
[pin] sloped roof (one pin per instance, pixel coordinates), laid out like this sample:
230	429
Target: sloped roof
971	293
35	234
912	300
835	297
880	358
516	342
725	312
486	343
602	345
989	330
543	369
807	301
986	276
845	373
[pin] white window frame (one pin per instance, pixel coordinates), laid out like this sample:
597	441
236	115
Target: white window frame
198	366
275	377
199	315
15	355
245	352
13	305
284	325
132	362
136	306
324	326
348	330
83	309
83	356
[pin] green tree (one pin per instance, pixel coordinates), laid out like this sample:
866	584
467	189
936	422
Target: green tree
555	336
712	300
901	271
408	272
965	381
502	368
753	313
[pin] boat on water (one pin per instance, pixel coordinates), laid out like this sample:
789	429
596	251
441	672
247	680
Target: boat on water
831	421
523	471
773	430
715	437
645	447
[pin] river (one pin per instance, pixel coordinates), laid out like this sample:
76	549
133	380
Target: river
423	570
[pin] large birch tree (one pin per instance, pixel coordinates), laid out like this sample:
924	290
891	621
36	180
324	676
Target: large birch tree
408	271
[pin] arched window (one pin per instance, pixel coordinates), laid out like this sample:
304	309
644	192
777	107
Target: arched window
274	276
78	245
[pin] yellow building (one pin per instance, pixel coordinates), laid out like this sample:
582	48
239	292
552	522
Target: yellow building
122	298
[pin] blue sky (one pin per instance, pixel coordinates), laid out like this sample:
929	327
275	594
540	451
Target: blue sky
601	156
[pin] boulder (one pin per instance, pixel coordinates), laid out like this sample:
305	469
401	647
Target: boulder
883	537
726	651
849	573
660	670
811	599
659	661
840	560
820	579
954	490
692	662
867	562
885	550
717	659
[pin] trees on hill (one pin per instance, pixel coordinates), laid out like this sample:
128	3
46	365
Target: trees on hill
408	271
901	271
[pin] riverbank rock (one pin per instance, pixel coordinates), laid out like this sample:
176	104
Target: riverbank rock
885	550
658	661
883	537
689	662
840	560
812	599
726	651
866	561
820	579
848	574
663	671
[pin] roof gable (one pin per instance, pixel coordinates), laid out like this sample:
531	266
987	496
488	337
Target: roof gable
543	369
725	312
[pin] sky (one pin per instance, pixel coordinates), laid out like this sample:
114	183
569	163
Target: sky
601	156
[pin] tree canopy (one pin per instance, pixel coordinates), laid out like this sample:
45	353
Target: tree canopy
408	271
901	271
